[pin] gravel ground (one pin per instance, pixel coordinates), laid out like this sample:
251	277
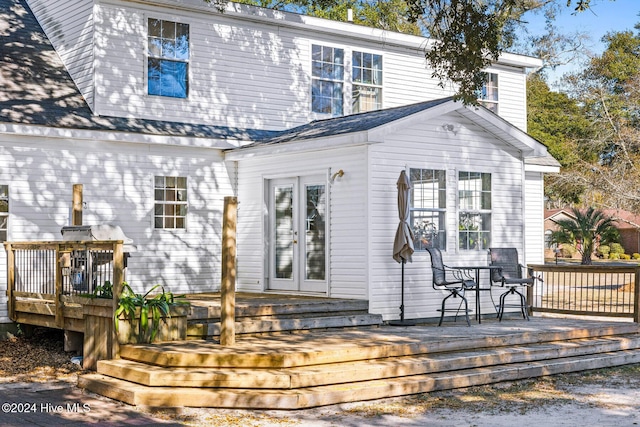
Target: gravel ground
606	397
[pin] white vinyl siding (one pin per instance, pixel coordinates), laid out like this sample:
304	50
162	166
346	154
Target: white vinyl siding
513	95
4	216
69	25
117	181
469	148
534	218
253	73
348	236
4	212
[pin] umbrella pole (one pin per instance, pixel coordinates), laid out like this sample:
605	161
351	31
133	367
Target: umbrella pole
402	322
402	294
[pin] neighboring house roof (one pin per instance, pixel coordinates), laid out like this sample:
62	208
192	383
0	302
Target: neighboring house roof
38	90
623	219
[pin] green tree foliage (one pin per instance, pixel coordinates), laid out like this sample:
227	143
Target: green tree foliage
467	35
609	92
585	230
560	123
557	121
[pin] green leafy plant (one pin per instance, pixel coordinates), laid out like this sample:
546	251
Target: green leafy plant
104	291
584	229
101	291
616	248
604	250
152	308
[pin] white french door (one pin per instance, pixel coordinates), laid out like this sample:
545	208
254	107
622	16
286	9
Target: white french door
297	234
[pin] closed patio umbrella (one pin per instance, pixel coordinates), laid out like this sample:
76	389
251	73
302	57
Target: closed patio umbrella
403	243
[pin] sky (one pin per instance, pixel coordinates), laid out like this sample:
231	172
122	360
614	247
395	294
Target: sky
605	16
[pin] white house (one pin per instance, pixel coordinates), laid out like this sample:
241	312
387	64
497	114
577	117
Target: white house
162	108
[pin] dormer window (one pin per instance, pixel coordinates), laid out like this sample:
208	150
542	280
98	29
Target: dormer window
327	76
488	95
367	82
168	58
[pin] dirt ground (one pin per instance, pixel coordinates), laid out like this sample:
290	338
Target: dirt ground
606	397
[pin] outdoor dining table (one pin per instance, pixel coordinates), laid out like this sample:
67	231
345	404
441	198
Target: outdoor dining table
477	269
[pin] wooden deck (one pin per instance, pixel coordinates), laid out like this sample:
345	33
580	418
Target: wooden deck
268	313
292	371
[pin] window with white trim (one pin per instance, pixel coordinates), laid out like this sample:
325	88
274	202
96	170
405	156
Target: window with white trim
427	209
474	210
366	79
327	80
170	209
488	95
168	58
4	212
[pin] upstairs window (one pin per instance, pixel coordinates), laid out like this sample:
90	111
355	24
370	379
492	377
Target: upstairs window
168	58
474	209
170	209
428	208
366	82
488	95
327	80
4	212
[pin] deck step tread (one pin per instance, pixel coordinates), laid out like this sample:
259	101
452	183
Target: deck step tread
274	306
137	394
355	371
348	345
264	325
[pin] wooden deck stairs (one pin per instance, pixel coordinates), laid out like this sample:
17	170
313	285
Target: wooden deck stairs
258	314
293	371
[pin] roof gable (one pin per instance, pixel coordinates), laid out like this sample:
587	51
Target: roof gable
372	127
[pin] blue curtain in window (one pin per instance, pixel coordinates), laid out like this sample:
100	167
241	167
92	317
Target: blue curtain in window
168	78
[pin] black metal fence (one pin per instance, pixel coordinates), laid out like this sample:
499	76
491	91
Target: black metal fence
596	290
83	267
49	272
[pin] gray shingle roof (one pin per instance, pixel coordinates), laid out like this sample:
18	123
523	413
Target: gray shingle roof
37	89
348	124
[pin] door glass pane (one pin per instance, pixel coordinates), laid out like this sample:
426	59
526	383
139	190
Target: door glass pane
284	232
315	232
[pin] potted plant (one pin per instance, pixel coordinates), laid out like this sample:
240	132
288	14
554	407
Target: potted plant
147	317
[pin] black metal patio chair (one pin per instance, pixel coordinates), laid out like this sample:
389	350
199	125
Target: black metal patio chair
455	287
510	276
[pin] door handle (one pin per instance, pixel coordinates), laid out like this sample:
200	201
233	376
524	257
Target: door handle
295	241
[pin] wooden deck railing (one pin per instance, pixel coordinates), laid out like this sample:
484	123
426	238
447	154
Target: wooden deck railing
595	290
55	272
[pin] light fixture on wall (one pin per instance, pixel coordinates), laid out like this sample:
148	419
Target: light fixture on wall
450	127
336	175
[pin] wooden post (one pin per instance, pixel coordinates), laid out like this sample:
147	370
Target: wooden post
228	291
76	206
118	279
11	280
58	294
636	296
